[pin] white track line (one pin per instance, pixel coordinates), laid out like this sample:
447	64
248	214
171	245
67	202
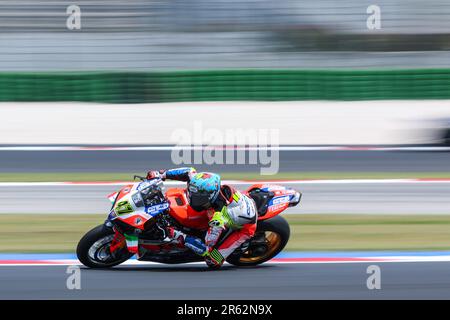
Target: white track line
195	148
232	182
401	259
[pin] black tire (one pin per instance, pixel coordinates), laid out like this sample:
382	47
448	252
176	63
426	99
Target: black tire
89	239
277	225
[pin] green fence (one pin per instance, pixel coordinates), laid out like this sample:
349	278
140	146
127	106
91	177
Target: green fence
222	85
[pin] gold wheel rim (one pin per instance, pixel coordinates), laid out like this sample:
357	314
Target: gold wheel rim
273	242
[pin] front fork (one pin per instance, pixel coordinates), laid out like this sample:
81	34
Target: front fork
118	242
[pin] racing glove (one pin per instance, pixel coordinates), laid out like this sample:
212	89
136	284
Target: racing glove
161	174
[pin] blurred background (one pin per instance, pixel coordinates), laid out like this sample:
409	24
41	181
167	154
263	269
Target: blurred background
227	50
150	35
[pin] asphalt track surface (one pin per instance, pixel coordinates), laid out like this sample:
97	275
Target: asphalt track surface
331	198
289	161
399	280
405	280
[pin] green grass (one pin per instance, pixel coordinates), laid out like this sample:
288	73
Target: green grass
44	233
60	233
369	232
128	176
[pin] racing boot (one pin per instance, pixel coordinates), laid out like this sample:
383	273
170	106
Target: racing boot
214	259
196	245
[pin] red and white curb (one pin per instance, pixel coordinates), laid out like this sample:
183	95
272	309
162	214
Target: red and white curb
234	182
389	259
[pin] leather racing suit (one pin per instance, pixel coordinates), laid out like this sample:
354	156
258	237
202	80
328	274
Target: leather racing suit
232	212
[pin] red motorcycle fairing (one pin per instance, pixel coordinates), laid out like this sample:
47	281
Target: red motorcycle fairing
183	213
137	219
124	191
282	198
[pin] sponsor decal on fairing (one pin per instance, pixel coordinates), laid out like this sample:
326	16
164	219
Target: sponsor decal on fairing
157	209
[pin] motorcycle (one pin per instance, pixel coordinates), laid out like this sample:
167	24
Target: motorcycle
143	210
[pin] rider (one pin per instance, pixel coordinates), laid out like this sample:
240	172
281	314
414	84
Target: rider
227	209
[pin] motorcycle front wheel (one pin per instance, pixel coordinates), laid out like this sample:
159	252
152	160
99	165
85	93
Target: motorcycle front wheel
270	238
93	249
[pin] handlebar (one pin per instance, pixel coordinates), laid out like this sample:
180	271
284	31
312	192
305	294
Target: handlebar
144	178
139	177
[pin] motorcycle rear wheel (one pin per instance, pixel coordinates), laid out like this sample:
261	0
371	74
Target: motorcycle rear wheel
270	238
93	249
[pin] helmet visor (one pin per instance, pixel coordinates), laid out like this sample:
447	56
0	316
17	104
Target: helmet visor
199	199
